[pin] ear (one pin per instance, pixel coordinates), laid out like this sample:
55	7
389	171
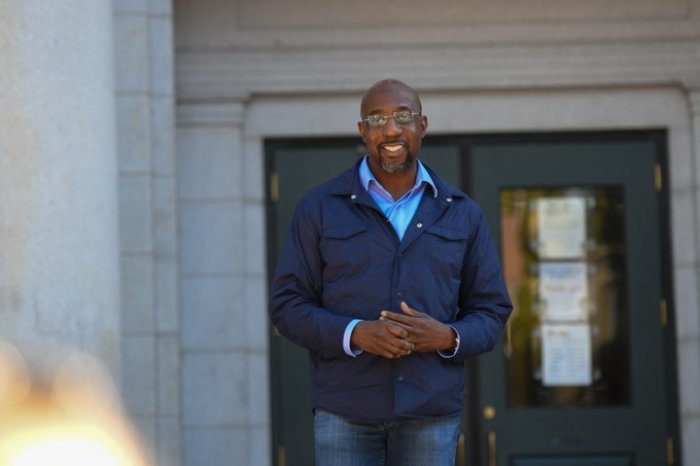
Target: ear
423	125
361	129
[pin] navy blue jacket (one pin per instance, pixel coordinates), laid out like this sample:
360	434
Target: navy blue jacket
342	260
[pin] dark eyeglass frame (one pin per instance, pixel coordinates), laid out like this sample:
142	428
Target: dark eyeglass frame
402	117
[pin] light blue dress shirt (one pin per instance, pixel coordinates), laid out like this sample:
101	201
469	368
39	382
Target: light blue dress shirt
398	212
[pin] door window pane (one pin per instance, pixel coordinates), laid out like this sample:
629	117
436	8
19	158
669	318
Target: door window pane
567	341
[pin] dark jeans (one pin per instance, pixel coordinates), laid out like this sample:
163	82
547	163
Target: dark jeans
413	442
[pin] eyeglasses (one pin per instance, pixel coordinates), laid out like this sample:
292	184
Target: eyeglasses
402	117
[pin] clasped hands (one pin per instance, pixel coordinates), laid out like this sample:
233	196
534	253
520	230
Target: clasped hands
399	334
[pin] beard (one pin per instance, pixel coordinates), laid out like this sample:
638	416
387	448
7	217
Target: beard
397	167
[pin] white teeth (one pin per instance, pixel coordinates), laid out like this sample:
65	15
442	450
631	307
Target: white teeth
393	147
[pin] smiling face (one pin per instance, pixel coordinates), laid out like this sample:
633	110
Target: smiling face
393	147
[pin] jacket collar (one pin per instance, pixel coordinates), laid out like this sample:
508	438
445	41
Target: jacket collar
349	184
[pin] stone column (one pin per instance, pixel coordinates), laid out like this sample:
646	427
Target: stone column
224	319
150	320
59	278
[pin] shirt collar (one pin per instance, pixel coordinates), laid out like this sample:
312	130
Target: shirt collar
422	176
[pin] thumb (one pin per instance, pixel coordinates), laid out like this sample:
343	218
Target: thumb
409	311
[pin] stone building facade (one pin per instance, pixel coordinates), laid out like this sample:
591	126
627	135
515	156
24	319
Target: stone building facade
132	174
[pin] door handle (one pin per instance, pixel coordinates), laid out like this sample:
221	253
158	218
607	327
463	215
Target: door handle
491	449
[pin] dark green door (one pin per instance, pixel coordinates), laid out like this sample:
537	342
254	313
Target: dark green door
580	379
295	167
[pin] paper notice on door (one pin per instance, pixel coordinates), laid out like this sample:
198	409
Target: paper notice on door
561	223
563	289
566	355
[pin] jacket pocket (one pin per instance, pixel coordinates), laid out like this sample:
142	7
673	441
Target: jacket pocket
344	251
445	248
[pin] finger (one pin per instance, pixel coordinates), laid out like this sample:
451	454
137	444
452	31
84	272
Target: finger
409	311
397	330
395	351
403	348
388	315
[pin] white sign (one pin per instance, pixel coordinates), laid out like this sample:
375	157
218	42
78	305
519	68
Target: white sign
563	290
566	355
561	223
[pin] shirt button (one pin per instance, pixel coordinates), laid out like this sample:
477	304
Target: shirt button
449	199
353	197
419	225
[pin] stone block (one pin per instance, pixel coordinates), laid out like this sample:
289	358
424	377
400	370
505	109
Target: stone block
695	134
214	313
139	374
206	23
258	383
696	199
255	236
137	294
223	446
133	133
209	163
687	302
164	215
163	135
168	351
211	238
690	430
254	182
166	294
681	159
215	390
689	376
161	55
131	53
130	6
169	441
257	321
161	7
135	213
260	446
147	432
683	228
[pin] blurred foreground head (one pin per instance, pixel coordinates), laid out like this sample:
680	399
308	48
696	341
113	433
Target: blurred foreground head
60	408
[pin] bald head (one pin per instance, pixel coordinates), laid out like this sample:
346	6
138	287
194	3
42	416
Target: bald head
387	86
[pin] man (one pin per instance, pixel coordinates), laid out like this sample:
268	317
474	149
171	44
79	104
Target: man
390	279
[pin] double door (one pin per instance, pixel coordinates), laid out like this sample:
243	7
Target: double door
582	375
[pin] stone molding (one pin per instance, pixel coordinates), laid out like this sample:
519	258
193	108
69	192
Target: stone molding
369	14
694	98
214	75
338	24
215	113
